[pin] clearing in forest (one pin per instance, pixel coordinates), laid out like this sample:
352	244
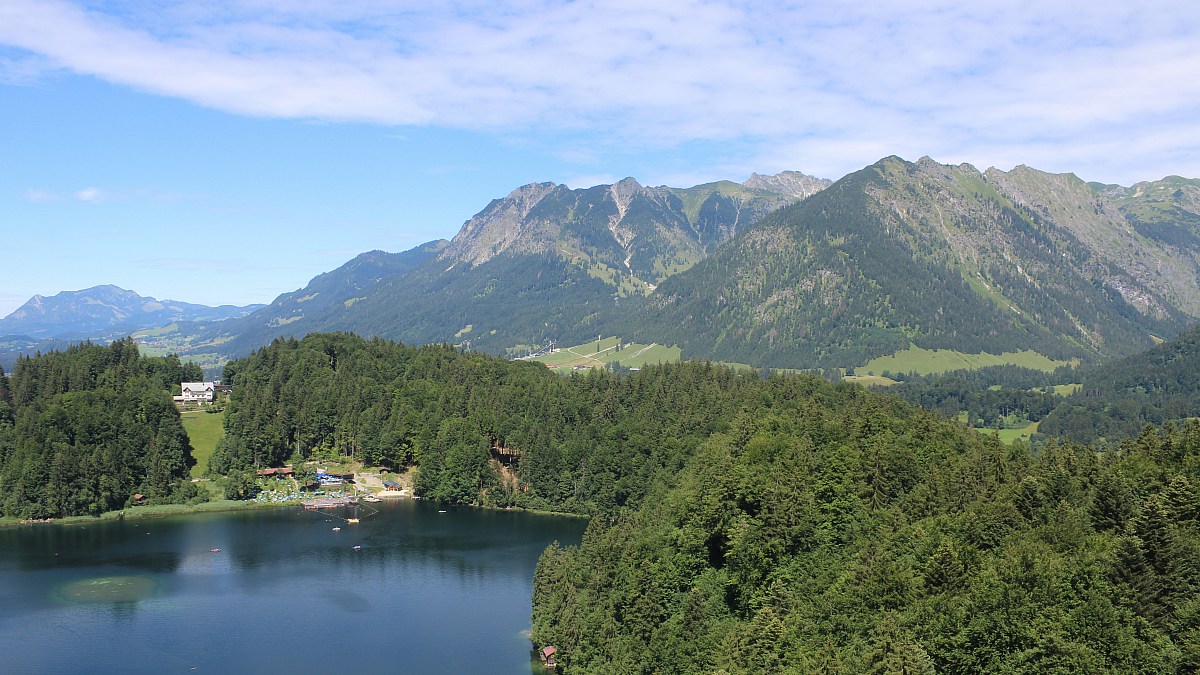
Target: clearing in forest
601	353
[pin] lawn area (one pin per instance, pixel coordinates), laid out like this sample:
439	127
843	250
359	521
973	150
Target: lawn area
870	380
603	352
927	361
204	430
1010	436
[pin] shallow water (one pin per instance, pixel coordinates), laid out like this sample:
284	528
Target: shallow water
426	592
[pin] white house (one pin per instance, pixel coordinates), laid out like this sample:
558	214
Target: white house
196	392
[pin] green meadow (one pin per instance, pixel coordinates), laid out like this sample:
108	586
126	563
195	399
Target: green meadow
931	361
600	353
204	430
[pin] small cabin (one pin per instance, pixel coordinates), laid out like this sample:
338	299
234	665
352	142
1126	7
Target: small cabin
280	471
547	654
392	486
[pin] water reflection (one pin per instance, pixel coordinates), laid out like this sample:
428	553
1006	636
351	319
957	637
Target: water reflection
450	591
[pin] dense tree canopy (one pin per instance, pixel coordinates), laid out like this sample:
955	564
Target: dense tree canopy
83	430
741	523
881	544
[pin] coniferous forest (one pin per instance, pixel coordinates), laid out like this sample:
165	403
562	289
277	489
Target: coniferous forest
739	523
83	430
783	524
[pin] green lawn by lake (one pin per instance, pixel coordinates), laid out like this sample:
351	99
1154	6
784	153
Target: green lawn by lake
204	430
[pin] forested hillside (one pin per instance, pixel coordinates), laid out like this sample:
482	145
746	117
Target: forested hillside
784	524
481	429
83	430
805	542
939	256
1118	399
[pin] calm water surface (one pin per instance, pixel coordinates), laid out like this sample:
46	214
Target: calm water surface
427	592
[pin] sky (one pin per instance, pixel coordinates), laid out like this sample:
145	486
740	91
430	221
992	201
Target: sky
227	151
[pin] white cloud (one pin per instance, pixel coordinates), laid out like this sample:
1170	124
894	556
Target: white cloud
829	82
89	194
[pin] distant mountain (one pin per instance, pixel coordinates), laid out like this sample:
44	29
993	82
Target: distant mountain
103	311
326	295
627	235
1118	399
785	270
546	261
939	256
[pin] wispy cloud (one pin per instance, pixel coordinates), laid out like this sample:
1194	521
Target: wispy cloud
821	86
87	194
39	196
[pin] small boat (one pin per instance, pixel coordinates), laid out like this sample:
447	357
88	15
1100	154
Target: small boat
337	529
214	550
352	521
442	511
371	498
357	547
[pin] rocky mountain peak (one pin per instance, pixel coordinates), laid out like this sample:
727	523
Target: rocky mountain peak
789	184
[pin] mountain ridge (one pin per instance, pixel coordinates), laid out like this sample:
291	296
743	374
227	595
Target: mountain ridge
104	310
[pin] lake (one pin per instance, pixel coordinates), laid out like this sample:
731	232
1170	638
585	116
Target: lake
426	591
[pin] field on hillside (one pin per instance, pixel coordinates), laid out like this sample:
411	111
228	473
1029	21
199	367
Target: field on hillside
599	354
1010	436
928	362
204	430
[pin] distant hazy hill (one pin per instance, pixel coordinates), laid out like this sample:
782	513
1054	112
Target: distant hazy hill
939	256
103	311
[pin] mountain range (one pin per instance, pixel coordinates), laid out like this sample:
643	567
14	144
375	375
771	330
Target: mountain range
102	311
781	271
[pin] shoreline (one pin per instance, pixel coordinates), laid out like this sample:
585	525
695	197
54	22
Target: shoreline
164	510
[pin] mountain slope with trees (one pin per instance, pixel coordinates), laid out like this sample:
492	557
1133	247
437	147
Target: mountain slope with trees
1118	399
309	309
544	262
938	256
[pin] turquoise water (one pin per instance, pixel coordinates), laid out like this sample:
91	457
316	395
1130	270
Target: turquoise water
426	592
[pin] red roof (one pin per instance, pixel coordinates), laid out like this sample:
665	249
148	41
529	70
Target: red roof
548	651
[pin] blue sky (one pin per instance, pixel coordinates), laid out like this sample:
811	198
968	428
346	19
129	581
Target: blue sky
226	152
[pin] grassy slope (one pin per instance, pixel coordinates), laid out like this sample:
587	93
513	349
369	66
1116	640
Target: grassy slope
1010	436
204	430
588	355
927	362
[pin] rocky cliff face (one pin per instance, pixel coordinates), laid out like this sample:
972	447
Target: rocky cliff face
1152	275
626	234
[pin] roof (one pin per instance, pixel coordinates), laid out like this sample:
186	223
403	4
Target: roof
549	650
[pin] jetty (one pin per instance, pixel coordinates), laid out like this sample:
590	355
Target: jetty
329	502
